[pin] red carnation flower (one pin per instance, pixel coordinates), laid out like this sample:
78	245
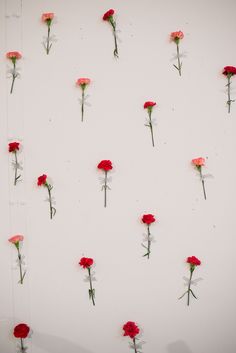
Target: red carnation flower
87	262
148	219
193	262
130	329
229	71
149	106
108	16
105	165
13	146
42	180
21	331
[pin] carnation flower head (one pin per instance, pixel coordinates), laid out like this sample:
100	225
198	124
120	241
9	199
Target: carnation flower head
108	15
21	331
229	71
13	146
42	180
86	262
14	55
193	261
83	82
105	164
47	17
16	239
148	105
176	36
131	329
198	162
148	219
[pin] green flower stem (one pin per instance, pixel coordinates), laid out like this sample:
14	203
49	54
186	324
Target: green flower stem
112	22
189	290
189	285
82	105
178	58
203	182
135	348
149	241
148	247
48	38
105	190
22	345
150	125
19	257
16	164
13	75
91	286
228	89
52	209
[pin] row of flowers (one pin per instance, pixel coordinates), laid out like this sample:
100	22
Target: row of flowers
104	165
130	328
87	263
48	18
228	71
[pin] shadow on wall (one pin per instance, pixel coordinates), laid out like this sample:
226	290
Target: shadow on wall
54	344
178	347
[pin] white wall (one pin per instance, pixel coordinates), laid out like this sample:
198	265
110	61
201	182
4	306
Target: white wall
192	120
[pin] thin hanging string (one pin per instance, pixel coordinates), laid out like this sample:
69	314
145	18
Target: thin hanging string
9	176
22	202
26	213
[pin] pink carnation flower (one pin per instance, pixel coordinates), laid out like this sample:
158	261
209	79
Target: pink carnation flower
83	81
13	55
47	16
47	19
15	239
177	35
198	161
